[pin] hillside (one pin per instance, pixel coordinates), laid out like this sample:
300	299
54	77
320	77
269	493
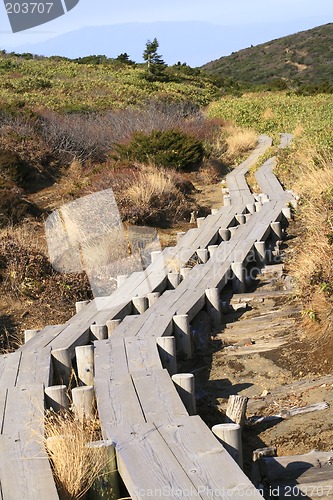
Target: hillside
61	84
305	57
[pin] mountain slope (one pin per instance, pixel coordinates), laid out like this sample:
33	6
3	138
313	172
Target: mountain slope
306	57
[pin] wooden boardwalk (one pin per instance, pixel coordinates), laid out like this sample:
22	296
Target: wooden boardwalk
163	448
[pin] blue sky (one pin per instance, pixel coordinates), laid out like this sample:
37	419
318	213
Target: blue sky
287	15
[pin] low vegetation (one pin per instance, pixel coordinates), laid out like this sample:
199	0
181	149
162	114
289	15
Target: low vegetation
305	167
82	86
76	465
300	62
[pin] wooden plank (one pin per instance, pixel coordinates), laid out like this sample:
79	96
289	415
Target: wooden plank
110	358
35	367
147	465
25	471
296	466
3	399
117	403
10	369
142	355
209	466
24	412
158	397
21	476
44	337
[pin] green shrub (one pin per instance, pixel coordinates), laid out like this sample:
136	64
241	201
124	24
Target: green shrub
170	148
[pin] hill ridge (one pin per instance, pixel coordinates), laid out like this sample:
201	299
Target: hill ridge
304	57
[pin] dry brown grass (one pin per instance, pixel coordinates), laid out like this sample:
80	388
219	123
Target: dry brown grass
152	195
313	266
76	466
234	142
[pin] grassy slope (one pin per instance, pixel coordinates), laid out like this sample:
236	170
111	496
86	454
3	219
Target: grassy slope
307	168
67	86
305	57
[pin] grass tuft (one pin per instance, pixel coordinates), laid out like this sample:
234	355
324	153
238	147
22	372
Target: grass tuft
76	466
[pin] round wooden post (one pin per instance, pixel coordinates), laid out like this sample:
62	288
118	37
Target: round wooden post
238	280
233	231
85	364
99	332
224	234
276	231
214	306
226	200
84	401
260	253
193	217
212	249
184	383
107	484
286	211
152	298
200	221
185	271
56	398
202	254
182	333
264	198
167	352
173	280
81	304
241	219
111	325
29	334
230	435
62	366
251	208
121	278
139	305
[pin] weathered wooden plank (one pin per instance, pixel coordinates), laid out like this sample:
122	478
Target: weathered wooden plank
158	397
30	402
142	355
296	466
44	337
110	358
3	398
22	476
10	369
35	367
209	466
147	465
117	403
25	471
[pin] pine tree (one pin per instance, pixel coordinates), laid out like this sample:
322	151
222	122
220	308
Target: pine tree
155	63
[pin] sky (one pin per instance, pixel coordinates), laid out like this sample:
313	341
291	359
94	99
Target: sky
290	15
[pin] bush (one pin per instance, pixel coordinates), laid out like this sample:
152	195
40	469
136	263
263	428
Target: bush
170	148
